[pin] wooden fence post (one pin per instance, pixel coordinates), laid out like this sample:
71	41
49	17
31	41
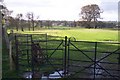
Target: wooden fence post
10	50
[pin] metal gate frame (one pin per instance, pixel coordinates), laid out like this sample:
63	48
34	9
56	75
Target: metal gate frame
31	62
94	60
66	59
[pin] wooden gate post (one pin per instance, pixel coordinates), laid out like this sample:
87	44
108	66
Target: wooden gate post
10	50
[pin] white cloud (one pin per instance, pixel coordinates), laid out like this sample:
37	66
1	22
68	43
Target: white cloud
52	9
110	16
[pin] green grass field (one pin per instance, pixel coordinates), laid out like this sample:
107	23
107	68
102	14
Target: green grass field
82	34
78	33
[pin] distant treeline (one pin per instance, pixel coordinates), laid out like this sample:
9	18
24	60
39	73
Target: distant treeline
98	24
21	24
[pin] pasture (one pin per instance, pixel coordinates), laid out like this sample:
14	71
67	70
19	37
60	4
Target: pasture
80	34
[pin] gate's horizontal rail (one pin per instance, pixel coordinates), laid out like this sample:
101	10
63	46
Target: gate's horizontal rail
94	51
43	49
56	58
51	49
92	61
41	41
97	42
47	40
21	35
54	64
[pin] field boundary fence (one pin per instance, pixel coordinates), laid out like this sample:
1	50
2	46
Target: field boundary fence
77	59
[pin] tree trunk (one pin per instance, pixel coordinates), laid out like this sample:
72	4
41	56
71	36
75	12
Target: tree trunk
33	24
29	25
16	26
22	28
41	24
95	26
88	24
21	25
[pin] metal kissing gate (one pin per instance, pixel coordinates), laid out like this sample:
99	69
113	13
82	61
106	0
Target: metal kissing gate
75	59
93	59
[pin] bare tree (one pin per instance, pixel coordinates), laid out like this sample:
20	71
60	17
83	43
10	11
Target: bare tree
29	19
30	16
19	18
32	20
91	12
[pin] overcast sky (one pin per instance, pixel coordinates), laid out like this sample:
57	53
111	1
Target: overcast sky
62	9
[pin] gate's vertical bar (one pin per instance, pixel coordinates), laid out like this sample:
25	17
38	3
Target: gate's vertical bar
65	56
28	51
119	61
95	60
119	55
32	62
46	47
68	56
119	48
16	45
